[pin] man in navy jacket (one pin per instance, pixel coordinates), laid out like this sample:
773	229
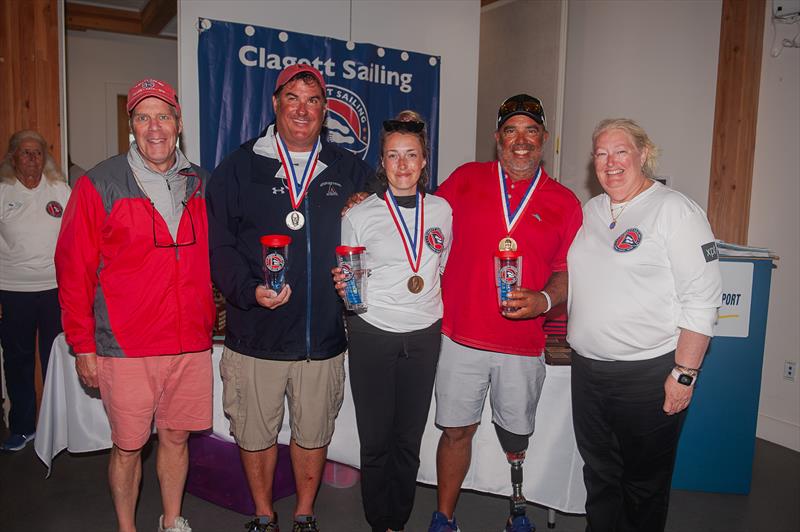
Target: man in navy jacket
287	344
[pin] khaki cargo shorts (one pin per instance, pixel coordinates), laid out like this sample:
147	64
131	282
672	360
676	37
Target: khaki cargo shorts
254	391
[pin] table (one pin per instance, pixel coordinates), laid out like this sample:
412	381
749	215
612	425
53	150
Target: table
72	417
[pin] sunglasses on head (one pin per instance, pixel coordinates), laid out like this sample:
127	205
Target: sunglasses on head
522	103
390	126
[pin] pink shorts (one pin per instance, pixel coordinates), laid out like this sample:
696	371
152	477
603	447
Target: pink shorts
173	389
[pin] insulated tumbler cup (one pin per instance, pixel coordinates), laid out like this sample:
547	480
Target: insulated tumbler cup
352	261
507	274
275	260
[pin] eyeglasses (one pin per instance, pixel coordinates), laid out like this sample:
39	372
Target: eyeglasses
157	244
521	103
404	126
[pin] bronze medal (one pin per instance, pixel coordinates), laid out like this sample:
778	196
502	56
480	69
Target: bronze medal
415	284
507	244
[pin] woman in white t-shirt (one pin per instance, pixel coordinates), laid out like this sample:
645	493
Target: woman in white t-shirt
644	288
33	195
394	345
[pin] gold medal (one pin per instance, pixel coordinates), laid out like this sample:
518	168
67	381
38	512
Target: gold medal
507	244
415	284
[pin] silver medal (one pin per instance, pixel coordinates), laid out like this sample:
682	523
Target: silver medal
295	220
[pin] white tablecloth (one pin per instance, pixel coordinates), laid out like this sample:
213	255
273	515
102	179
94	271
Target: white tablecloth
73	418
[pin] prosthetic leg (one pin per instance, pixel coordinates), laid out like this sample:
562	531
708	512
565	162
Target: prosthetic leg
515	445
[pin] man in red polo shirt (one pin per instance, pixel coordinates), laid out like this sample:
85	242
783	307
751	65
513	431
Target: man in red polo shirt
509	204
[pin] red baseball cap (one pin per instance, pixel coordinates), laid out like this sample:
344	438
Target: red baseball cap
292	70
152	87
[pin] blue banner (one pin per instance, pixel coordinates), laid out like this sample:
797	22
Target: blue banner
366	84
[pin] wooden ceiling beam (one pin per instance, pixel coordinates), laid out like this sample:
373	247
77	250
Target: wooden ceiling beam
157	14
86	17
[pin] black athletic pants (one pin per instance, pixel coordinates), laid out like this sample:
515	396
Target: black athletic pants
391	376
23	314
627	442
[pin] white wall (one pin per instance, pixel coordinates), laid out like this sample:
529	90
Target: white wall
655	62
505	37
100	66
440	27
774	223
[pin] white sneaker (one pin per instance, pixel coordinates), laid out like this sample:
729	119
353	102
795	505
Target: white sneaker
180	525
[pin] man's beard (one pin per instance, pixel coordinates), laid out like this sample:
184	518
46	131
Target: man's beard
518	166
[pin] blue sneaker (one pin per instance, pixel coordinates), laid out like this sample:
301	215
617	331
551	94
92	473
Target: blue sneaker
17	442
520	523
439	523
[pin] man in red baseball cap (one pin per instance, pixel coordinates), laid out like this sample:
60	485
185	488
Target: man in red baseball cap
135	292
287	345
293	71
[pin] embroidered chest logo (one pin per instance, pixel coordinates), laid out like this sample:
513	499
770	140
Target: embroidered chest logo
54	209
434	239
278	190
628	241
331	186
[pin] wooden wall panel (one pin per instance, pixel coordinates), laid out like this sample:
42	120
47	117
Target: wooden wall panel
29	71
735	118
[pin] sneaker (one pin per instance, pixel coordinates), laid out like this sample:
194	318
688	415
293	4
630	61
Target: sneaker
305	523
180	525
439	523
17	442
260	525
520	523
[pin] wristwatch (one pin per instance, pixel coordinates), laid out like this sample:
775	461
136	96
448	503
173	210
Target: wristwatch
683	375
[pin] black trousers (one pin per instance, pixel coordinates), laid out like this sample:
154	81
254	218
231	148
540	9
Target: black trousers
391	376
627	442
23	314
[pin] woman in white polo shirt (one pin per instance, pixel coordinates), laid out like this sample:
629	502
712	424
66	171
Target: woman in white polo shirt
394	345
644	288
33	195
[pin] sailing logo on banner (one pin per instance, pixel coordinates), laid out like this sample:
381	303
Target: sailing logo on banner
348	121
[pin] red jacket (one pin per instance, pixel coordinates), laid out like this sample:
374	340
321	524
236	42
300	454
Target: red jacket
120	294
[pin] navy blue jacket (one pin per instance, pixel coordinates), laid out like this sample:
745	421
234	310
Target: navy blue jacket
246	201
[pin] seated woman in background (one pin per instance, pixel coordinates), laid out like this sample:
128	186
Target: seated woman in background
33	194
394	345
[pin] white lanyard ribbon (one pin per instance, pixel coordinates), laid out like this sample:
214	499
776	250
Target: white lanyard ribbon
412	245
512	218
297	188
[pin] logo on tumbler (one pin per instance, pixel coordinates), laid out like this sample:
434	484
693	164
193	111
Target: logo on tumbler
347	272
274	262
434	239
628	241
509	275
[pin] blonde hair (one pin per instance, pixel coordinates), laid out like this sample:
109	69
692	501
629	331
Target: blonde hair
640	139
8	172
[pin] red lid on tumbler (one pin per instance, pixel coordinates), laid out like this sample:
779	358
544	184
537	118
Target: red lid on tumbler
507	254
349	250
275	241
